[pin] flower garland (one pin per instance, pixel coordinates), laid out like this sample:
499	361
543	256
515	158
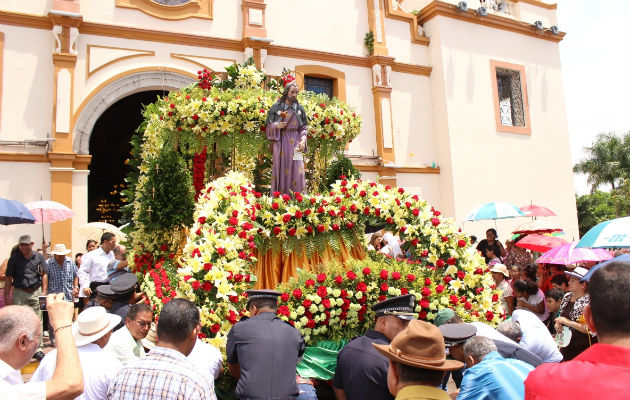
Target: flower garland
199	170
232	219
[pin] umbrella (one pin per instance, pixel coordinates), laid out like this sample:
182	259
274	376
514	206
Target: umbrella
570	254
49	211
533	210
537	226
13	212
625	258
540	243
94	230
608	234
494	210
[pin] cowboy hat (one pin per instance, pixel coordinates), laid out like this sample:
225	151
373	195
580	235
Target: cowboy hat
92	324
150	340
419	345
60	250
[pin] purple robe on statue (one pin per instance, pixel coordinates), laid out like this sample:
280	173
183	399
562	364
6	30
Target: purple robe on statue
287	174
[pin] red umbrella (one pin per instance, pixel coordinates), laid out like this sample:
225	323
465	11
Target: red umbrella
537	226
533	210
540	243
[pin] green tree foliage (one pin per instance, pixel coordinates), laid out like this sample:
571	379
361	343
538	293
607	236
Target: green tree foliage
594	208
607	161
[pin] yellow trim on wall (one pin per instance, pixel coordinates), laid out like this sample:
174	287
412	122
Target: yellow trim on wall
397	13
90	46
525	130
440	8
192	9
23	157
185	58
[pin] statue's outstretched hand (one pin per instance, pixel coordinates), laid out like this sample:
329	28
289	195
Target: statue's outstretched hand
281	125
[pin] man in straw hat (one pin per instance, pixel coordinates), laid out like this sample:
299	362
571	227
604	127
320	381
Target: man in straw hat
126	342
263	351
91	332
417	362
361	372
20	332
60	274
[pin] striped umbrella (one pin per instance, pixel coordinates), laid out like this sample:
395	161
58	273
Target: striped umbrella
614	233
494	210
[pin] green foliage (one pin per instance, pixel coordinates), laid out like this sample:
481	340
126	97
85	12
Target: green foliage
341	166
594	208
368	41
169	186
607	160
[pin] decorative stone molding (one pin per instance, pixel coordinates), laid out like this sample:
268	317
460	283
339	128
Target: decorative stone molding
187	9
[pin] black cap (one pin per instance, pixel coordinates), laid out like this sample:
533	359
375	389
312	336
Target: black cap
106	291
260	294
455	334
402	307
125	283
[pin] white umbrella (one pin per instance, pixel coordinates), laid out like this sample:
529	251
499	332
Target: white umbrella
94	230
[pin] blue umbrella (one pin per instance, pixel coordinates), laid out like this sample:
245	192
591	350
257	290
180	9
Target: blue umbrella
611	234
13	212
494	210
623	258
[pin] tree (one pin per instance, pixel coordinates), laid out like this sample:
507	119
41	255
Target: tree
607	161
594	208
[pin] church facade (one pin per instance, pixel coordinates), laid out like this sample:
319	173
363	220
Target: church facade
461	102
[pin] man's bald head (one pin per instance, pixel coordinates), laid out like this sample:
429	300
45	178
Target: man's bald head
14	322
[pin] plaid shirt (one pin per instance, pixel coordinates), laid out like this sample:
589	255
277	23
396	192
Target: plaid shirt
61	279
162	374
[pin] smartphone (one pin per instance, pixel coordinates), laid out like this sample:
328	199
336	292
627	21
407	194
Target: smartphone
42	303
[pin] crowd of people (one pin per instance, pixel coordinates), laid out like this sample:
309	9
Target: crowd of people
113	345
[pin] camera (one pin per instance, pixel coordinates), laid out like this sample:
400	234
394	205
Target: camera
42	303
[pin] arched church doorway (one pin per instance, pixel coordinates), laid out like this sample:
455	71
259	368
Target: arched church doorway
110	146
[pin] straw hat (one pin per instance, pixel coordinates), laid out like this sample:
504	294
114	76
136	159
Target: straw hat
420	345
92	324
500	268
150	340
60	250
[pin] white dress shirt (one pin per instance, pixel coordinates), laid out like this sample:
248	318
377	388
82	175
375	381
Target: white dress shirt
12	387
94	266
536	337
124	346
207	358
99	368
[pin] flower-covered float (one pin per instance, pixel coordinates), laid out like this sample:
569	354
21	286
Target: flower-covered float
209	242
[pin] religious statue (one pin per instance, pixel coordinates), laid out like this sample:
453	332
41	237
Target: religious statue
286	129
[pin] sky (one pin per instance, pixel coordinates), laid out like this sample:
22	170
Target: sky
595	56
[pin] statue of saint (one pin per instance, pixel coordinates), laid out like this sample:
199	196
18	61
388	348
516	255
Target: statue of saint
286	128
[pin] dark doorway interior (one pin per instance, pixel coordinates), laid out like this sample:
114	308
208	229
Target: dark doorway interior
110	147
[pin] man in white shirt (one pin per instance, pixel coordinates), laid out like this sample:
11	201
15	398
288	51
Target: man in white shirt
20	331
91	332
534	335
207	358
126	342
94	264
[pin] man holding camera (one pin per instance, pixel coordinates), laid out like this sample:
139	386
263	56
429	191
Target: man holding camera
25	270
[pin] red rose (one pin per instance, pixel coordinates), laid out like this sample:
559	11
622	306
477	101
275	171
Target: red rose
196	285
233	221
207	286
384	287
309	283
321	278
297	293
366	271
424	303
350	225
335	227
311	324
221	251
467	306
321	291
361	287
439	289
384	274
230	230
404	291
215	328
309	229
461	274
242	235
275	205
207	266
284	310
396	275
163	247
439	263
415	212
382	297
298	214
451	261
338	280
277	230
351	275
422	314
435	221
321	228
479	290
202	220
362	193
313	200
411	278
454	299
286	218
326	303
307	304
461	243
401	190
284	297
489	315
495	297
